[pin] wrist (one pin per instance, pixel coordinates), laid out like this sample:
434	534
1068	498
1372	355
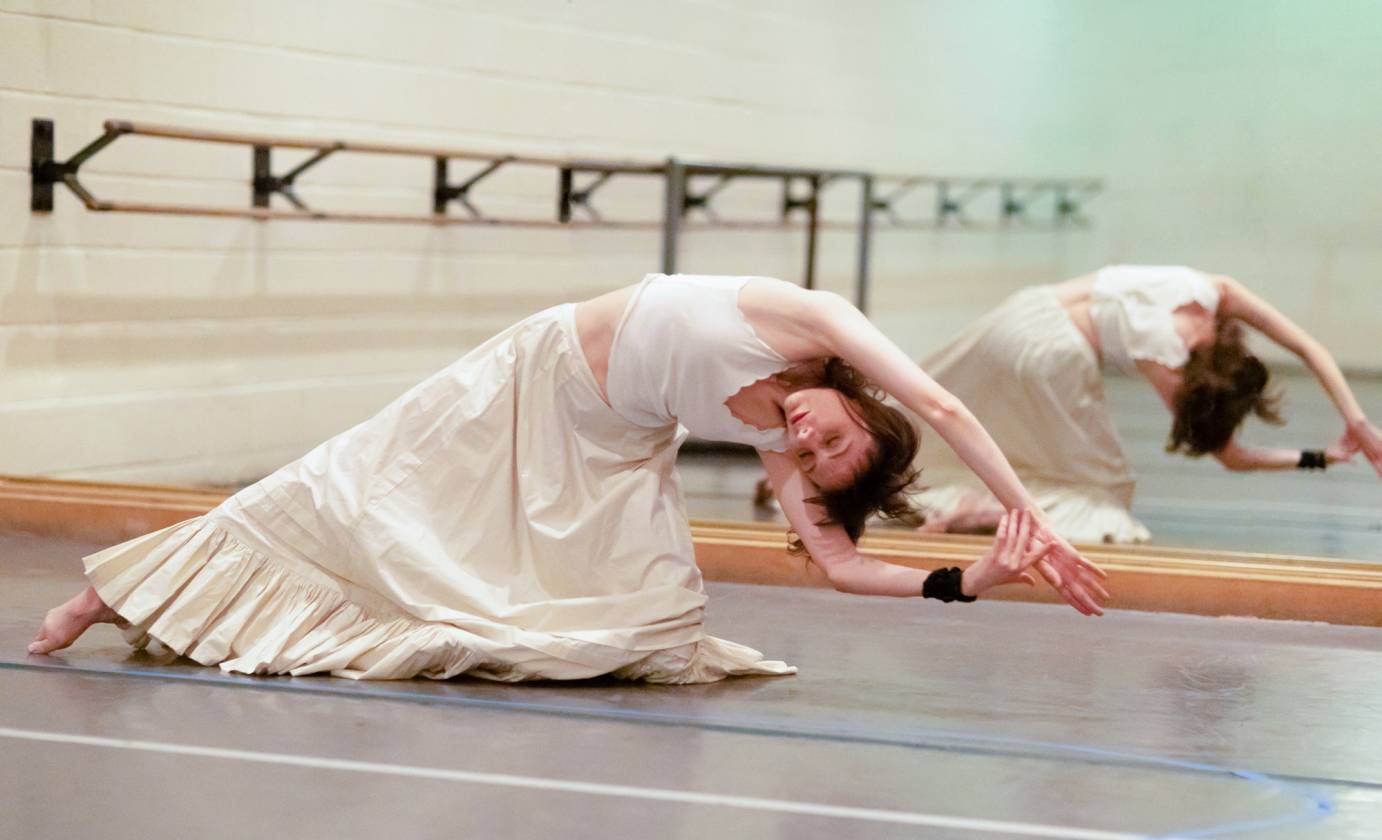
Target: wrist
1312	459
968	583
946	585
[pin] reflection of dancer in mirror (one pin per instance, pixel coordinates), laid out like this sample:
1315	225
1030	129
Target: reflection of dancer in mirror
1030	371
518	514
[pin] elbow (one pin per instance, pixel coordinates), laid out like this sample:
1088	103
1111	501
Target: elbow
839	575
1313	354
838	581
1235	464
847	588
943	411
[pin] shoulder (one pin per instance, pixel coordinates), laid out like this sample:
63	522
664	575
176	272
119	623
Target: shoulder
1226	286
798	323
782	302
771	289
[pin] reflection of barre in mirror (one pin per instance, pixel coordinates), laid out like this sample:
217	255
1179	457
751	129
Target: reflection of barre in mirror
1030	371
518	514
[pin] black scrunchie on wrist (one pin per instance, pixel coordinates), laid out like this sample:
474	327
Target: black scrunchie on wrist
1312	459
944	585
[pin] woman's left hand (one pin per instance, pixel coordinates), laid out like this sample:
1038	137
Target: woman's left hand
1075	578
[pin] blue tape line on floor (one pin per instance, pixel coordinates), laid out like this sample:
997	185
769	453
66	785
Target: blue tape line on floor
1316	805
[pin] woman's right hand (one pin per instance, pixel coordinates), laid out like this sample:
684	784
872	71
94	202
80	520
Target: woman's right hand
1014	550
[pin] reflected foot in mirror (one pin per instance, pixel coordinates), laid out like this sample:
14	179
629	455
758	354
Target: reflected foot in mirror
976	513
65	624
763	499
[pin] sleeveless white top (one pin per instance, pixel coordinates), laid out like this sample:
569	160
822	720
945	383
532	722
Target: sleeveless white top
681	349
1132	305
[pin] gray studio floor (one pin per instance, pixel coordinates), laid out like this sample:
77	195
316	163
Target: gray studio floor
1184	502
908	719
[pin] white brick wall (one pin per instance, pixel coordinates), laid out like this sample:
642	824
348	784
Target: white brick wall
210	350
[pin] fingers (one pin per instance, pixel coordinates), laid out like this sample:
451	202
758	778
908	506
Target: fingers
1089	581
1068	553
1076	579
1065	550
1018	543
1090	604
1048	571
1036	549
1074	592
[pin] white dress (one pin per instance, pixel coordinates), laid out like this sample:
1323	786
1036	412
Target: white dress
499	519
1034	382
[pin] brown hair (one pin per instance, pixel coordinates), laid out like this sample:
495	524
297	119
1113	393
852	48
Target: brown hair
880	486
1220	384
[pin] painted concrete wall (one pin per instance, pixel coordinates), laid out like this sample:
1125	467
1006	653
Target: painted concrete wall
154	348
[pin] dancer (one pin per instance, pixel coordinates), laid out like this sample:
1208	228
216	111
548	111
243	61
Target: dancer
1030	371
518	514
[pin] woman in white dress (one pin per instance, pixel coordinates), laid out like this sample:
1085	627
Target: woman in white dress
518	515
1030	372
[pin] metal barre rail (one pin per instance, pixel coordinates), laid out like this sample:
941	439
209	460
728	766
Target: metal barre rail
684	185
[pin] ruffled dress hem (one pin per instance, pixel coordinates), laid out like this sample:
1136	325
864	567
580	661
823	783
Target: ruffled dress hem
202	593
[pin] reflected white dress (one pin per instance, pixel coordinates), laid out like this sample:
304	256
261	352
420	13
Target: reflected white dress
499	519
1034	382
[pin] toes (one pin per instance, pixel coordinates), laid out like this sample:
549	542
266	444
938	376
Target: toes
48	644
50	635
41	644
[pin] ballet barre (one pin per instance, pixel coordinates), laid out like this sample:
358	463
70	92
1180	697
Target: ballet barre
690	189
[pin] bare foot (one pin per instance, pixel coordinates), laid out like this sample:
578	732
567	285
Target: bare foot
935	525
975	513
65	624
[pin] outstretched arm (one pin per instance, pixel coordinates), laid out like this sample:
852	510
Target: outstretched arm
829	322
1236	301
851	571
1234	455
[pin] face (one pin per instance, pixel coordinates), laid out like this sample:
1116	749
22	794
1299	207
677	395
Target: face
829	442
